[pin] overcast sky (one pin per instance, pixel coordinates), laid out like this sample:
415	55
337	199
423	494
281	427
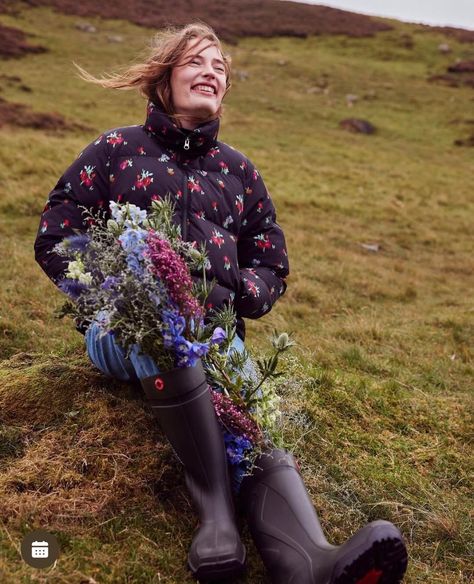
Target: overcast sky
458	13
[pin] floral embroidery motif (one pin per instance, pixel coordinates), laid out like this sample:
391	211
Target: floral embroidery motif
144	180
224	167
115	138
87	176
228	221
239	203
194	186
263	242
217	238
252	288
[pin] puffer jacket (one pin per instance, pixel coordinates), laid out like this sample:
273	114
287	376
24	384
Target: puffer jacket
219	197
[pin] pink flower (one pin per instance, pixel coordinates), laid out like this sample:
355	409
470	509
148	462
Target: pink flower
234	418
172	270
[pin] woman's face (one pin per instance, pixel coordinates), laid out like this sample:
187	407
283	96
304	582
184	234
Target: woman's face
198	84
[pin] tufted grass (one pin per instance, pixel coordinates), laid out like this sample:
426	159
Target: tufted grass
382	377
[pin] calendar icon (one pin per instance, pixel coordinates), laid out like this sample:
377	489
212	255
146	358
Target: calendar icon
39	549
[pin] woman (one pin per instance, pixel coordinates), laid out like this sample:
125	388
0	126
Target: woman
220	200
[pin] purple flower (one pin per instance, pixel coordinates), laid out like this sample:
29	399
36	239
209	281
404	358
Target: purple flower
187	352
237	447
110	283
72	288
234	418
172	270
218	336
77	242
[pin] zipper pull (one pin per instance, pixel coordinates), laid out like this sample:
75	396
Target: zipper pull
186	143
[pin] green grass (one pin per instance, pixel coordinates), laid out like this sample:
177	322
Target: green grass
382	378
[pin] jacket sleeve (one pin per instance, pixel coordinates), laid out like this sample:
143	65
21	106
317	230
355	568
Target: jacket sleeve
85	184
263	259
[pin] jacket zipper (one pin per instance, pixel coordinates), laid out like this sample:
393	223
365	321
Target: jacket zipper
184	220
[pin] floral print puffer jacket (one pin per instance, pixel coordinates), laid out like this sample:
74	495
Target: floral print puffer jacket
219	196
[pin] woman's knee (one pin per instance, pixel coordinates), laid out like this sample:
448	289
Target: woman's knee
107	355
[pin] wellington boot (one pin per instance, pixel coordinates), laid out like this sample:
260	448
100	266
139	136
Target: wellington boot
181	401
287	533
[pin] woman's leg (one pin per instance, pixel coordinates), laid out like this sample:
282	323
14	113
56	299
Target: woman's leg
107	355
180	399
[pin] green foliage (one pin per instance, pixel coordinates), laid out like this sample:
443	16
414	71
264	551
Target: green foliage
378	397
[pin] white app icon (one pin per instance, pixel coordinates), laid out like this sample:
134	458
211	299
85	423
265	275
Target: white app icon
39	549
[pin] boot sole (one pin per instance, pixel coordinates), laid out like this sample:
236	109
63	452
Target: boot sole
385	562
219	571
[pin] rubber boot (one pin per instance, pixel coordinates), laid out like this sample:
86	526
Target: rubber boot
181	401
288	535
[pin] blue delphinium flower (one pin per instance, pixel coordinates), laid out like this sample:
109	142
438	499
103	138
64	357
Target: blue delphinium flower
237	447
187	353
133	243
131	239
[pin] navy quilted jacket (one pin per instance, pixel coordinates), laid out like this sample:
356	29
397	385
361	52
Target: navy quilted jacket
219	195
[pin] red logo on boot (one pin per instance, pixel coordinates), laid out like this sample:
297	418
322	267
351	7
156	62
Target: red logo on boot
371	577
159	384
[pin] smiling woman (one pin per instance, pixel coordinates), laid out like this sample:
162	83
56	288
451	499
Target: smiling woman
198	84
220	203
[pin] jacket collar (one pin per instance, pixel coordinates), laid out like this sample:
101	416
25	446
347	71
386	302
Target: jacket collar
166	131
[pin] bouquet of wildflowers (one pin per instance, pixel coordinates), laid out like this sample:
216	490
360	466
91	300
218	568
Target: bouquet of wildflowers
132	274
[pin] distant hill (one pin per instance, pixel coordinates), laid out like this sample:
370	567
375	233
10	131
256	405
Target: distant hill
232	20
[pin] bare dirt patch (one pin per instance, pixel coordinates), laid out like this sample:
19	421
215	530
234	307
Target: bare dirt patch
14	43
20	115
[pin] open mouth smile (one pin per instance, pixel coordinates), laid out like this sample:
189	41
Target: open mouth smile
203	89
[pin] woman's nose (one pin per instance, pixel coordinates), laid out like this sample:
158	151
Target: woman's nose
208	70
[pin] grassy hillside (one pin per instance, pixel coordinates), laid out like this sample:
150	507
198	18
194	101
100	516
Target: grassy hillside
379	233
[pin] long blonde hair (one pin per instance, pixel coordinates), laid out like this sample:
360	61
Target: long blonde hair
152	76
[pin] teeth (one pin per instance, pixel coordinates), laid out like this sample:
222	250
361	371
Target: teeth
206	88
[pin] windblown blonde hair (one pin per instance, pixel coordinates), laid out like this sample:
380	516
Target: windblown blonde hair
152	76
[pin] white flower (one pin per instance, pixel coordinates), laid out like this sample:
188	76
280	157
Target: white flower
75	270
116	211
135	214
85	278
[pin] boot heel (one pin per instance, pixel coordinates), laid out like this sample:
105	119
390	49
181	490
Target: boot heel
374	555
